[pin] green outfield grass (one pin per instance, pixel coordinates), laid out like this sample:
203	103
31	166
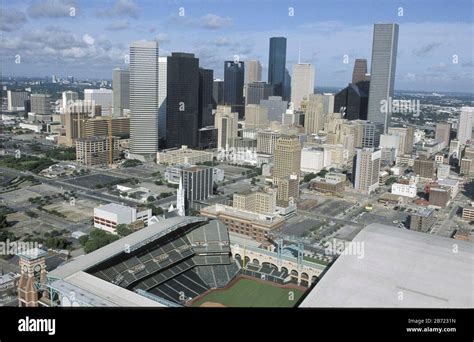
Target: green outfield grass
251	293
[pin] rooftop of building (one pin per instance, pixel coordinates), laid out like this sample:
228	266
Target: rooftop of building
422	268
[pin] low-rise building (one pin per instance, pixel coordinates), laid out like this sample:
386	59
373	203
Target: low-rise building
325	185
244	222
109	216
184	155
439	197
404	189
259	201
422	220
94	151
468	212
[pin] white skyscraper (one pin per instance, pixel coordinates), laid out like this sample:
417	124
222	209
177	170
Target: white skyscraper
302	83
144	106
102	97
466	121
162	79
180	199
382	74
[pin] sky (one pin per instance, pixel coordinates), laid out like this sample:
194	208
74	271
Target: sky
87	39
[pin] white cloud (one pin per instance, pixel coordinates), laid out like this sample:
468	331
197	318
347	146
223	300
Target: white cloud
122	8
11	19
51	8
213	22
88	39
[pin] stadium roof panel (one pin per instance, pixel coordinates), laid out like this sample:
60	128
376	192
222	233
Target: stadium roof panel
127	243
399	268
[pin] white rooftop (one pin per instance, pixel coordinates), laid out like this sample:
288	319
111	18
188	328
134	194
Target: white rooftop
114	208
399	268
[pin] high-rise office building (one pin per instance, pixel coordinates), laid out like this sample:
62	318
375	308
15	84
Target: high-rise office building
69	98
443	133
16	99
256	117
218	93
359	73
302	83
162	94
319	106
121	90
277	64
41	104
226	123
465	124
253	71
424	168
287	86
101	97
406	138
366	169
382	74
352	101
370	135
197	183
257	91
144	105
234	86
286	168
182	108
206	77
266	141
276	107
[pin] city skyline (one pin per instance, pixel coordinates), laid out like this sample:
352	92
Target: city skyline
94	48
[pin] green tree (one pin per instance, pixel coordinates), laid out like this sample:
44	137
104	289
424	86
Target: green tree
123	230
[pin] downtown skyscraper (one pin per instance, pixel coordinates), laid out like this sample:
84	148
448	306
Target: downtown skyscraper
234	73
382	75
302	83
144	104
182	102
277	65
121	91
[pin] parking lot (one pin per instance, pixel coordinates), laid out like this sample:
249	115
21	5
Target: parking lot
92	181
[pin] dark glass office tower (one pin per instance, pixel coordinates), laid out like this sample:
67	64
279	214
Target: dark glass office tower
218	93
182	107
353	101
277	64
234	86
206	78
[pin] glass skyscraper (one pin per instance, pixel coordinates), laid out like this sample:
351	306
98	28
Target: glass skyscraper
234	74
277	64
182	102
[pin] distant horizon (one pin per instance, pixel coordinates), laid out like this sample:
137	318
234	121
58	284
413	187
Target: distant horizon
318	87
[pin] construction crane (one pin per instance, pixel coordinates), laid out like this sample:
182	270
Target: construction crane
111	152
